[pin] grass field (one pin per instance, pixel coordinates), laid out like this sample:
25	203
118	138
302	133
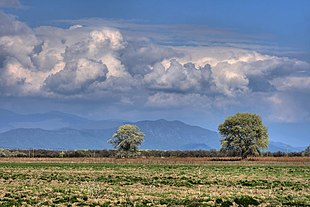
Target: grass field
74	182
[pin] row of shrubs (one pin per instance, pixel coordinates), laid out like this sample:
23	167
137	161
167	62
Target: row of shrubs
145	153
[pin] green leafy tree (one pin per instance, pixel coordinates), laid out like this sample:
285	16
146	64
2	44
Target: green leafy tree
126	140
243	134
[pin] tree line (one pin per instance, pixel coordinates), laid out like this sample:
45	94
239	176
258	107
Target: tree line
143	153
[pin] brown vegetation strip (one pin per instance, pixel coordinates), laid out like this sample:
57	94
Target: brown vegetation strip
304	161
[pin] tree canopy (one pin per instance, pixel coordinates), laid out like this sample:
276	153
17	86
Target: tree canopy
127	139
243	134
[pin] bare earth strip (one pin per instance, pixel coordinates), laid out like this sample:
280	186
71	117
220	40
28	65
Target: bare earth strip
292	161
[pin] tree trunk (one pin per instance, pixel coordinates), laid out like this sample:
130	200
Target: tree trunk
243	155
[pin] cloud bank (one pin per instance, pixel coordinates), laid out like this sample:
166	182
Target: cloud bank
103	64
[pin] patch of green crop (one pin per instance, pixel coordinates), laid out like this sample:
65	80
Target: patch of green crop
88	184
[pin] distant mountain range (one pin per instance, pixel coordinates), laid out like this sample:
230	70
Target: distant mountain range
56	130
50	121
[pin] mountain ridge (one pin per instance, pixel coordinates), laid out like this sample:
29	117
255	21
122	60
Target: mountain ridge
58	130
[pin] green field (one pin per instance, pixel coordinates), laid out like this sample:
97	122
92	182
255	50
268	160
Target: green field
98	184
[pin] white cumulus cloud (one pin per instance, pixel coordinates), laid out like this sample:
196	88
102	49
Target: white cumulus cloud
99	62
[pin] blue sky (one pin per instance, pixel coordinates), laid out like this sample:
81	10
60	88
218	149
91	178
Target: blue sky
282	23
195	61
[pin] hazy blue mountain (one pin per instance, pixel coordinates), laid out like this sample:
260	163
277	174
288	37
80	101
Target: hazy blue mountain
160	134
196	146
102	124
6	118
282	147
7	115
56	130
176	135
50	120
10	116
49	139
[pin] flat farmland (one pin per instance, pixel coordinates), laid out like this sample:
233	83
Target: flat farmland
154	182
